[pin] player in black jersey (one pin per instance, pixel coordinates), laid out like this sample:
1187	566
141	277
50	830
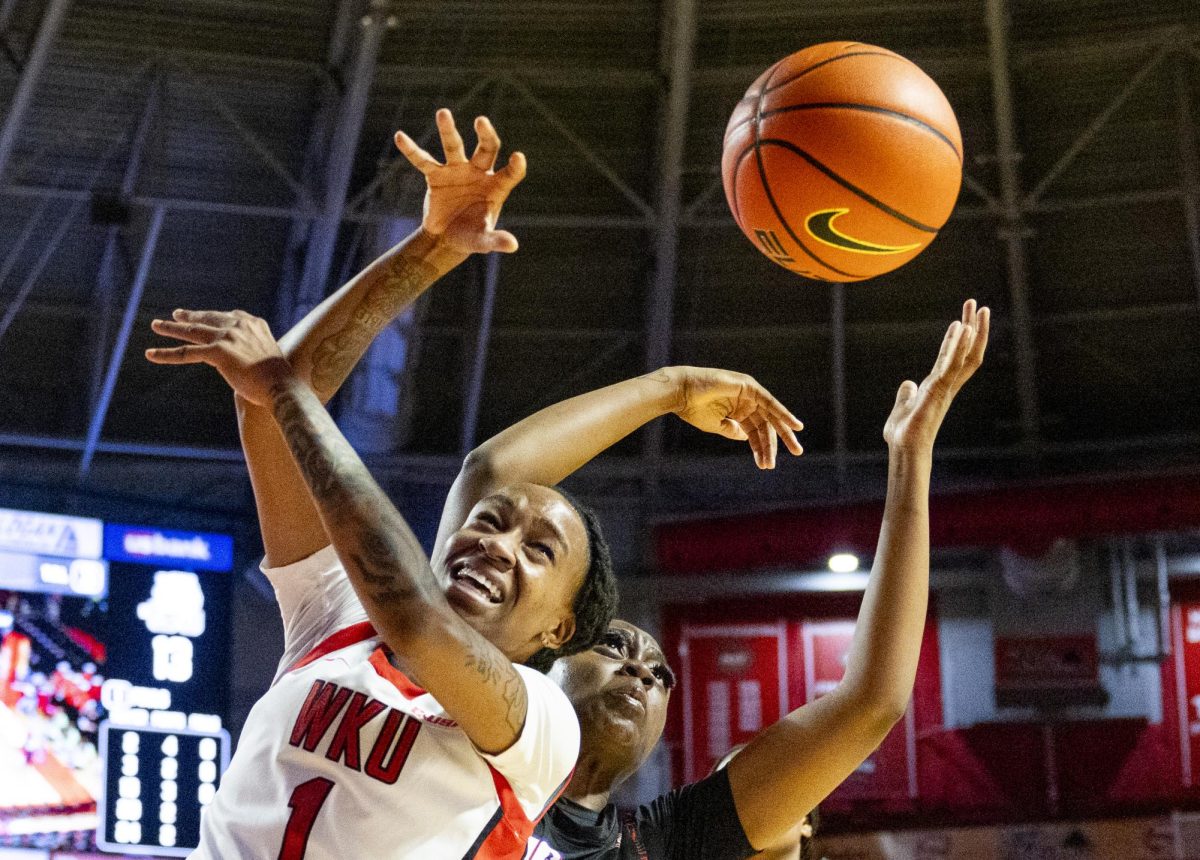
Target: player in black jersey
620	688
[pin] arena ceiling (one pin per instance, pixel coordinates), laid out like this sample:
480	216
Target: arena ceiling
236	153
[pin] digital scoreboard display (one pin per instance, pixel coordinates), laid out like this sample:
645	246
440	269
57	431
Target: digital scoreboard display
114	651
156	783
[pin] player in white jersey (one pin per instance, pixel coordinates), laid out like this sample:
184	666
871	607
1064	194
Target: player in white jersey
425	738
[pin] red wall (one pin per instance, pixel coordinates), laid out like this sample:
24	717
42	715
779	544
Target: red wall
989	773
1028	519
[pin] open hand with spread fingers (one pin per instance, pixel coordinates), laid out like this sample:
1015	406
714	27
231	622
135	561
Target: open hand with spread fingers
238	345
920	409
464	196
735	406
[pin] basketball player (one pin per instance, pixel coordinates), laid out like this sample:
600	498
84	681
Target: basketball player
620	688
408	717
512	518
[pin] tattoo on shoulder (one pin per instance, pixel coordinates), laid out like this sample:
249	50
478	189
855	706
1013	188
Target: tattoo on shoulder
499	674
399	284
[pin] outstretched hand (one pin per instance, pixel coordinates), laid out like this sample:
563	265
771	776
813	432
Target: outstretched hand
238	345
464	196
735	406
920	409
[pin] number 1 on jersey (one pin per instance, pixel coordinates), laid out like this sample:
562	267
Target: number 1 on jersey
306	801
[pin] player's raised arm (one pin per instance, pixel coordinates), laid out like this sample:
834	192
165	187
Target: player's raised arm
794	764
474	681
549	445
462	203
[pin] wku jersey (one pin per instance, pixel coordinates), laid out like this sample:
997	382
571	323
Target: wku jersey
345	757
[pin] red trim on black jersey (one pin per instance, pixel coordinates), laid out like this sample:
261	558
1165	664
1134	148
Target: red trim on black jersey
344	638
384	669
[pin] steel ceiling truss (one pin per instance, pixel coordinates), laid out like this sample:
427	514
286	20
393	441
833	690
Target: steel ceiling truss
323	211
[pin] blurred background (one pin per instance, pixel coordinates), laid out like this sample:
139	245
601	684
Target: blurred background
237	153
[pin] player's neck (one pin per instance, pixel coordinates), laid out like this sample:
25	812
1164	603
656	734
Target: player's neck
592	783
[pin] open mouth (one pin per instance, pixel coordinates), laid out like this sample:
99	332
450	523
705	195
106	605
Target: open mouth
476	582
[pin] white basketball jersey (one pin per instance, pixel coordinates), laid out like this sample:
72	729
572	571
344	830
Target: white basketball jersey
345	757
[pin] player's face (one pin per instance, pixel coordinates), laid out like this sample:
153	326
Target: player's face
619	689
515	566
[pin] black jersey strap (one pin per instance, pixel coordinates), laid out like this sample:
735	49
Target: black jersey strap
629	829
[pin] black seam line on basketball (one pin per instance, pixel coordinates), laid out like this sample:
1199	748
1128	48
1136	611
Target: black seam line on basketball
815	66
855	106
737	209
762	175
749	97
850	186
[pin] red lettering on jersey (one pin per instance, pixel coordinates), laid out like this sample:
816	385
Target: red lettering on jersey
388	773
345	741
325	700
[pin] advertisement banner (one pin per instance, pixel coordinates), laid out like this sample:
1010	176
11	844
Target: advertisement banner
50	534
168	548
1187	676
734	684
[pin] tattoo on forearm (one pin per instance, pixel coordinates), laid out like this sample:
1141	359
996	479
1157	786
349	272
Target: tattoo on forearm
385	561
498	673
360	517
397	286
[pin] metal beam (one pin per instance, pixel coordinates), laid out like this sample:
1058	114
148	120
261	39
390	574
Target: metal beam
356	209
251	210
556	77
1013	230
316	147
78	201
474	393
598	163
679	34
244	131
35	63
1093	128
1189	164
102	301
318	258
39	265
100	413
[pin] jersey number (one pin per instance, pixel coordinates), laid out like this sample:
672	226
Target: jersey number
306	802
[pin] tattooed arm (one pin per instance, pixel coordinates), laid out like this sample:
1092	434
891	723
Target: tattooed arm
470	677
552	443
461	207
476	684
323	348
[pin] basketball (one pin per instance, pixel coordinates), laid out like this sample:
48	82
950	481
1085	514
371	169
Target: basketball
842	161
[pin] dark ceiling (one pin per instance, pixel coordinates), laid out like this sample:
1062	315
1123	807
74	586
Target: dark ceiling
1088	252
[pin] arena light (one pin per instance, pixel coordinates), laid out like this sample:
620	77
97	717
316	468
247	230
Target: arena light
843	562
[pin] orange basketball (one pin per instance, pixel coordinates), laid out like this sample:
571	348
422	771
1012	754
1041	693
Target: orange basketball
842	162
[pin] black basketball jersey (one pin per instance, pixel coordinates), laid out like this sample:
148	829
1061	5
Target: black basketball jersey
696	822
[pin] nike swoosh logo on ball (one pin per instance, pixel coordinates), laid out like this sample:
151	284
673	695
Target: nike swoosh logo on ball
820	226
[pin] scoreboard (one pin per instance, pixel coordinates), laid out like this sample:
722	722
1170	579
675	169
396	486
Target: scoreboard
114	653
156	783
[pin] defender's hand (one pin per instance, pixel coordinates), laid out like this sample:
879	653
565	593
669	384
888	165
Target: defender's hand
919	409
735	406
464	197
238	345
